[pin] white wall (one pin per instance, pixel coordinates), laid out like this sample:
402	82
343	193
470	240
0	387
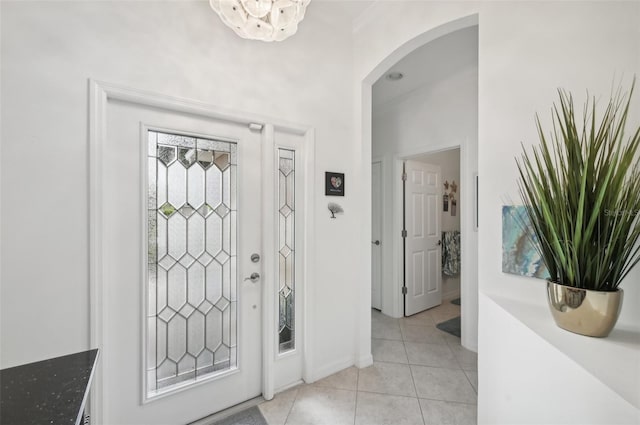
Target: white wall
449	162
526	51
51	49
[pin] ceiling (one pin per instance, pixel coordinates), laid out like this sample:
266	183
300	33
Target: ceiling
429	64
348	9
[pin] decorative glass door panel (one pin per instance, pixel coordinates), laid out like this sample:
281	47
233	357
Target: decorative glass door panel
286	239
192	317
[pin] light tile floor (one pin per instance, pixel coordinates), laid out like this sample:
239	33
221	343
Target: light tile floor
420	376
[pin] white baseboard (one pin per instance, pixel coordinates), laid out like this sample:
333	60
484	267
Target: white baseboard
452	295
364	361
288	386
330	369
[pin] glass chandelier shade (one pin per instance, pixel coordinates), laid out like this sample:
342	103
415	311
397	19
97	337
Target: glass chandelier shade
266	20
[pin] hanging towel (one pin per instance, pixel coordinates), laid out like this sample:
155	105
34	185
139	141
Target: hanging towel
451	253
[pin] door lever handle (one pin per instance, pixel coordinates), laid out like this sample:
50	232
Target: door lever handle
375	242
254	277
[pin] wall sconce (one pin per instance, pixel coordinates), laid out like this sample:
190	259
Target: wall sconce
334	209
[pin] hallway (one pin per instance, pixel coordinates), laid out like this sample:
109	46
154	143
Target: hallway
420	375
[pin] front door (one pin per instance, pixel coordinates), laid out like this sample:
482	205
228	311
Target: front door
423	253
181	213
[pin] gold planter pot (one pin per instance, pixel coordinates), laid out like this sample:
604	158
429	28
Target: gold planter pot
583	311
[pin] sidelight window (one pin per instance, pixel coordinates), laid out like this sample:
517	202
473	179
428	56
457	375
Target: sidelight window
286	246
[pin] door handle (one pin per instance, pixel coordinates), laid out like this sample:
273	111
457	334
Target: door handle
439	243
254	277
375	242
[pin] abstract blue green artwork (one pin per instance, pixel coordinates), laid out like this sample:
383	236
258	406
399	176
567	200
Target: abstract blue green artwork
519	255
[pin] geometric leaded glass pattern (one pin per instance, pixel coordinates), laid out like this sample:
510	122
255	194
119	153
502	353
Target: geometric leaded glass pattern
286	250
192	311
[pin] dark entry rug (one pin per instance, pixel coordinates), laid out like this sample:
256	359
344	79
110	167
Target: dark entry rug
250	416
456	301
451	326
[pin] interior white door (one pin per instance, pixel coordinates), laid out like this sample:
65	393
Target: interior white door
187	342
376	235
423	253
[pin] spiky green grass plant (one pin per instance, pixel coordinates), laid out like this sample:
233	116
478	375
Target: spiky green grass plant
581	191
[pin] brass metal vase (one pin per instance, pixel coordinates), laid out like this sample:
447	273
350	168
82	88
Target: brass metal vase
584	311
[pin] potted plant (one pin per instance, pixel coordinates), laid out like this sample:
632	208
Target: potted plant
581	192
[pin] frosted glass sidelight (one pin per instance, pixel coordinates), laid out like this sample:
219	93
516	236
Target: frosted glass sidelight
192	312
286	252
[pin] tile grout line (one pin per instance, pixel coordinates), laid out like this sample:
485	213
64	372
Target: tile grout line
387	339
458	361
447	401
355	411
295	398
423	365
470	383
415	388
464	372
394	394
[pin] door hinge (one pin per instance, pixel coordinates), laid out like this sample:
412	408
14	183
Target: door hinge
404	177
404	290
404	233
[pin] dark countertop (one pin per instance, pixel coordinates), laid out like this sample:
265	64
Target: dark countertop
51	391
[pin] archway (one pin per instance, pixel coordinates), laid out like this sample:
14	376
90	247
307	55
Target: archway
469	283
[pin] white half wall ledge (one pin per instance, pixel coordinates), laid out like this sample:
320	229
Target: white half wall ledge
614	362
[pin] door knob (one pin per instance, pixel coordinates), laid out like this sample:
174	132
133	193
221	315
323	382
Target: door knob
254	277
375	242
439	243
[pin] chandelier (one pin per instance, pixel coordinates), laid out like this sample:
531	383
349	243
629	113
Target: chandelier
265	20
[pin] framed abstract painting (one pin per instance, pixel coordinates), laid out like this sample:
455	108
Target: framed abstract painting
519	254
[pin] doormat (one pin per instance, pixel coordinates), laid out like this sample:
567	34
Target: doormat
451	326
250	416
456	301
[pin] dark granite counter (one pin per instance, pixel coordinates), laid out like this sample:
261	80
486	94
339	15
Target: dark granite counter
52	391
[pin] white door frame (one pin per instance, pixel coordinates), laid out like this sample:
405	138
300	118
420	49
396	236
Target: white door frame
395	227
383	177
99	94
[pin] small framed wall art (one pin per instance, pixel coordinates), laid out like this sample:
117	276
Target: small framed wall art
333	184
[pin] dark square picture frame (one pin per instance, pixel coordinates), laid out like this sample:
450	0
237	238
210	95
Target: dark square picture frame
333	184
